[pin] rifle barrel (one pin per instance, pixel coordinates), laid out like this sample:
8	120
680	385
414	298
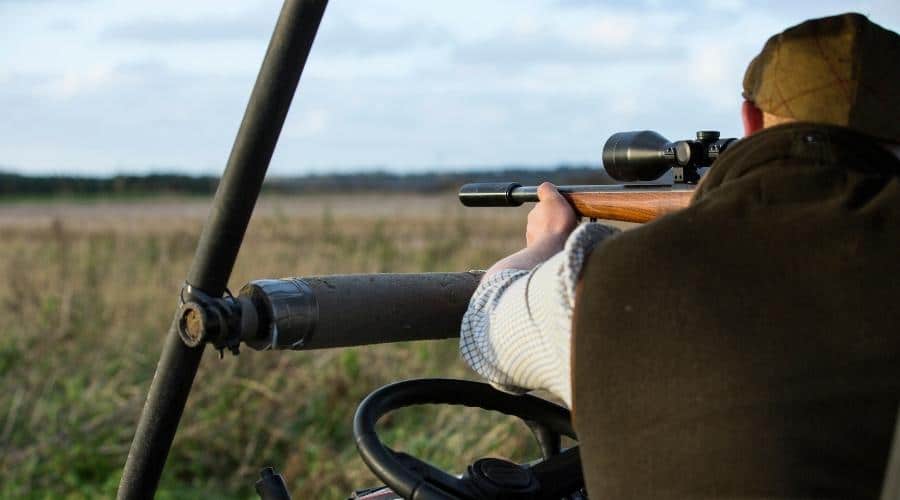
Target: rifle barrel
618	202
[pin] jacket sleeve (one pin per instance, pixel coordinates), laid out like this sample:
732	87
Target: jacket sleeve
517	330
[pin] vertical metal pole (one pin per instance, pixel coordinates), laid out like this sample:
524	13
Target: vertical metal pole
222	235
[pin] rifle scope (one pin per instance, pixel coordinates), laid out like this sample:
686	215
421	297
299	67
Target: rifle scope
645	155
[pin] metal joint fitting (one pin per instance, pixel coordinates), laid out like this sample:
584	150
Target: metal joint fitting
218	320
288	313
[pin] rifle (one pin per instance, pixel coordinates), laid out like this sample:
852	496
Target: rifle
641	160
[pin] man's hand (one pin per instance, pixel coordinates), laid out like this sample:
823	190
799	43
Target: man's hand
549	225
550	221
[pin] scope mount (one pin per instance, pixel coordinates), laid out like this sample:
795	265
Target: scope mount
685	154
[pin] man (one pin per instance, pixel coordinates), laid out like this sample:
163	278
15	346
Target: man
748	345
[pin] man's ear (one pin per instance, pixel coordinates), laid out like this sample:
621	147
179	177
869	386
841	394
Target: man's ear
752	118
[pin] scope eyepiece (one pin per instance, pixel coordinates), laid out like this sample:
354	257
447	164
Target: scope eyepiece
645	155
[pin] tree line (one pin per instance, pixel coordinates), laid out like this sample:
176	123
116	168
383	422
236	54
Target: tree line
12	184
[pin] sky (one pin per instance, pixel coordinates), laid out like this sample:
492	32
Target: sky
102	87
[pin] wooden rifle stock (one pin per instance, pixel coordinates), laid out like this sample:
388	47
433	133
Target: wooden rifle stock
609	202
629	206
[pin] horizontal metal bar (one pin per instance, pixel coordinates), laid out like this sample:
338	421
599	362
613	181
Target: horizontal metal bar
357	309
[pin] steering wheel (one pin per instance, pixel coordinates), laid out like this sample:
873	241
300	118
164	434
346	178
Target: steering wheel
488	478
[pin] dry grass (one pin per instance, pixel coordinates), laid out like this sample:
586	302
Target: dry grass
87	292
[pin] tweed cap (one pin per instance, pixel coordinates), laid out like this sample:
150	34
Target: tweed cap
840	70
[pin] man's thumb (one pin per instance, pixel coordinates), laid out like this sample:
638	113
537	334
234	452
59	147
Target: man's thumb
547	191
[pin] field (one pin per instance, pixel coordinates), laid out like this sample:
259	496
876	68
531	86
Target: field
88	290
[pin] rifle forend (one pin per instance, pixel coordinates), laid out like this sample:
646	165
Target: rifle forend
610	202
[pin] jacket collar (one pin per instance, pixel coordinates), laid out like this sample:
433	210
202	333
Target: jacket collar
795	143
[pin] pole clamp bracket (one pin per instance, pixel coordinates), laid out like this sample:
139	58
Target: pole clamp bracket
217	320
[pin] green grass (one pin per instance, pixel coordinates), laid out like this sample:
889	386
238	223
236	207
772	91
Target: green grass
84	308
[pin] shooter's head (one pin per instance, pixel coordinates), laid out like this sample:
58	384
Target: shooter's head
839	70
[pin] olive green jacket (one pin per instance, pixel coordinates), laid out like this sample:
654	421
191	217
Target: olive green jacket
749	345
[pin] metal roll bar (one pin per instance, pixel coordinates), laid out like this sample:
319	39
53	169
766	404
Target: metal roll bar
222	235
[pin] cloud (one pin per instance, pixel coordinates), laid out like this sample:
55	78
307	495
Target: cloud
309	123
62	25
32	2
342	34
622	4
119	117
338	33
506	52
164	30
599	40
74	82
102	79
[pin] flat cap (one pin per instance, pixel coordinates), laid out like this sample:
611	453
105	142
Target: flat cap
841	70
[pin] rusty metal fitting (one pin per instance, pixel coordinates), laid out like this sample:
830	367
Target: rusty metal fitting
217	320
195	325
